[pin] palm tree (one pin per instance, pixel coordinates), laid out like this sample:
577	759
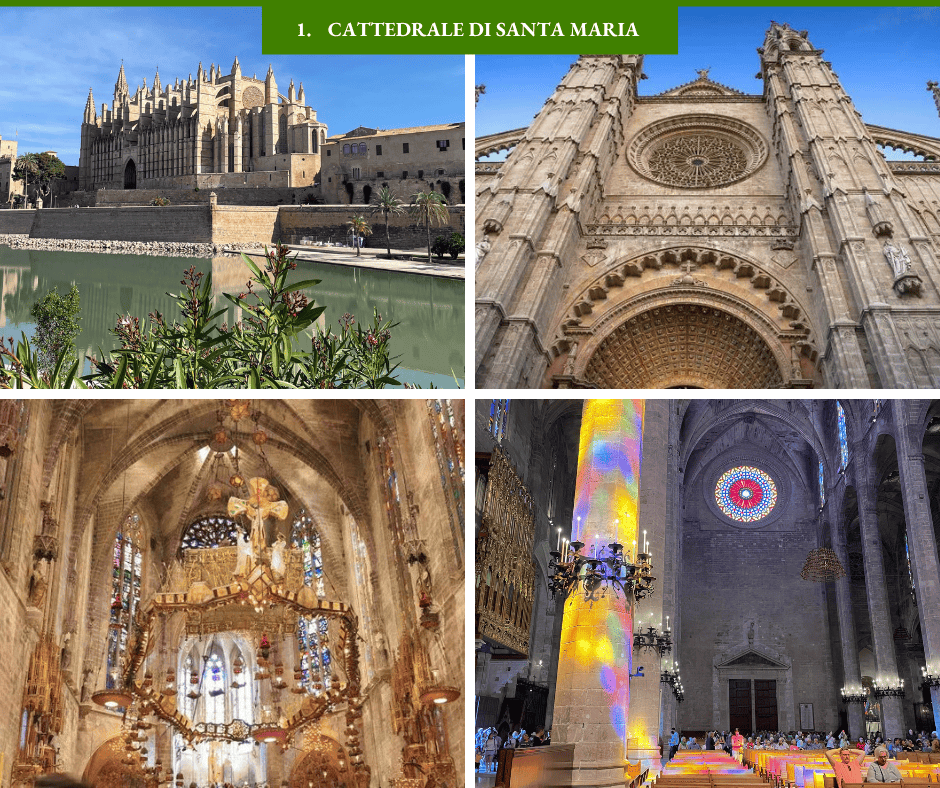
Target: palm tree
428	207
25	166
360	228
386	202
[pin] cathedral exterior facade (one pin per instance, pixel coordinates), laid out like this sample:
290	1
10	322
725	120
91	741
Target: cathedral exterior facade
708	238
213	130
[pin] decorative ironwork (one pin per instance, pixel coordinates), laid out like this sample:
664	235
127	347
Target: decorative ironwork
573	569
822	566
505	572
654	640
674	680
854	695
888	688
931	676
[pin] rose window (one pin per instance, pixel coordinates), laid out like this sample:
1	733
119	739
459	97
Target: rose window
697	152
745	494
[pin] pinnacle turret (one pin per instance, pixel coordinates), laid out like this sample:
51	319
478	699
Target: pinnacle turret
236	67
300	95
90	116
157	87
120	87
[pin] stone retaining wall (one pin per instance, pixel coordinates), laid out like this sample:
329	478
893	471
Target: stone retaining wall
187	224
225	224
16	222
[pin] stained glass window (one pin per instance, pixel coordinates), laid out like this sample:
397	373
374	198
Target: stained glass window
364	589
215	531
499	417
214	688
876	406
910	569
313	642
843	437
448	445
822	486
126	566
401	526
746	494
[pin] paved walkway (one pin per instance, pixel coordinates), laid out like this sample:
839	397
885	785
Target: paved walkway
375	258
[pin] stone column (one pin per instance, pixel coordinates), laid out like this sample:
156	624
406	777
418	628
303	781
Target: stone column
920	537
892	717
852	676
592	695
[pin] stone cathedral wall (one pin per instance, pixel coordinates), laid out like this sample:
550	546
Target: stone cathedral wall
731	576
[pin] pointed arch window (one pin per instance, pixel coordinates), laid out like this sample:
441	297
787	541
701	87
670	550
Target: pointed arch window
822	486
448	445
364	588
213	531
499	419
126	570
843	438
313	642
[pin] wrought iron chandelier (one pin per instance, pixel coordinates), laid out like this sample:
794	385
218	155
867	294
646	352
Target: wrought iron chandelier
888	688
854	695
654	640
571	570
822	566
931	676
674	680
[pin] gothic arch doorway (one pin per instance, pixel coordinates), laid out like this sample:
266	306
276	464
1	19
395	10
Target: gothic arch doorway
130	175
684	346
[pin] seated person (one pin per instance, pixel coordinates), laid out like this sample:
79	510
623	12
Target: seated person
847	764
881	771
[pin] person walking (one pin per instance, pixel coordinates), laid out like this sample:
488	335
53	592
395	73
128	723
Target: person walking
673	744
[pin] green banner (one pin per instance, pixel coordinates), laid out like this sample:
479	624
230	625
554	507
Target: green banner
292	29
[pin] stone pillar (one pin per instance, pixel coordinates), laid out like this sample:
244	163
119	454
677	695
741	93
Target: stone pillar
920	536
592	694
892	717
852	675
237	145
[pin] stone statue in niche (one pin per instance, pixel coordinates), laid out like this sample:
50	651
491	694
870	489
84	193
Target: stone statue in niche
482	249
750	634
898	259
38	582
905	281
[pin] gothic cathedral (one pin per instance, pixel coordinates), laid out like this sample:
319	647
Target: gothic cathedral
708	238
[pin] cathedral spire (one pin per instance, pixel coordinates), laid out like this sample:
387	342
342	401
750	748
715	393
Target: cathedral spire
300	95
157	87
236	67
120	87
90	116
290	92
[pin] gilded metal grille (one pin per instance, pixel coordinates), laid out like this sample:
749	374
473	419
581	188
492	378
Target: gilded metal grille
505	572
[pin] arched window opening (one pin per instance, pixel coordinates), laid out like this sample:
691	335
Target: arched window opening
126	569
207	532
313	642
361	567
822	486
499	419
843	438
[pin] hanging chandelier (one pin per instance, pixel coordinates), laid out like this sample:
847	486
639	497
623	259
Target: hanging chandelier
822	566
571	570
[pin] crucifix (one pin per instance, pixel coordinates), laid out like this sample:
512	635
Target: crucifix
258	506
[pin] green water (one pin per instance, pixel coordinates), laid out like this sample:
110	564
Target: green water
428	343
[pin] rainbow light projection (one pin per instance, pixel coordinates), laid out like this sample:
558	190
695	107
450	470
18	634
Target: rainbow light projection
606	509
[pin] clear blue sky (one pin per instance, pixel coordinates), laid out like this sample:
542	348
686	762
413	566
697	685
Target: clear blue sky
45	80
883	56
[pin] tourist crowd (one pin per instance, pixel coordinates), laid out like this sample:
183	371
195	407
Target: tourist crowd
778	740
488	743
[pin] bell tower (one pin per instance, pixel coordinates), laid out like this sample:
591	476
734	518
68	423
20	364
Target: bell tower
559	166
863	249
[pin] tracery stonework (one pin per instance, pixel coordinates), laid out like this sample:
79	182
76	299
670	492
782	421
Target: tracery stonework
697	152
772	207
683	346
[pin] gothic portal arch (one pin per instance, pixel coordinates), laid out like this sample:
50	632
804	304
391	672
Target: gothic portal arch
130	175
752	680
685	317
676	342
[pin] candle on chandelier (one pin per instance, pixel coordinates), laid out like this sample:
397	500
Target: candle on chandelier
558	544
646	544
